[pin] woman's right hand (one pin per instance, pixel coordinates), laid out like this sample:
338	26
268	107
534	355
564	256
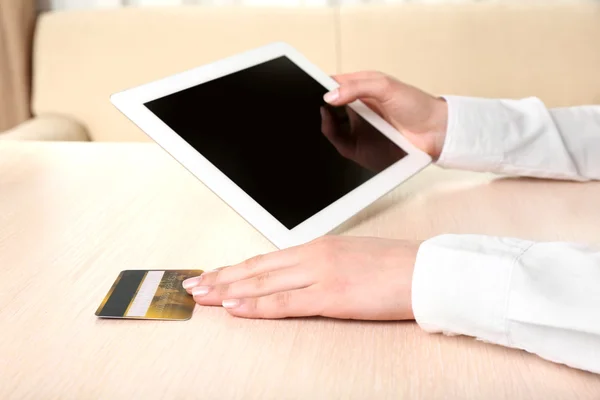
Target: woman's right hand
419	116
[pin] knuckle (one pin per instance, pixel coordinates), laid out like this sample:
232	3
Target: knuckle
324	240
282	300
223	290
252	306
315	243
261	308
375	73
318	240
386	82
327	243
330	251
273	306
261	280
253	263
211	277
347	88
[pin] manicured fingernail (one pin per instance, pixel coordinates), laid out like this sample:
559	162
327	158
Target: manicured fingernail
231	303
189	283
200	290
332	96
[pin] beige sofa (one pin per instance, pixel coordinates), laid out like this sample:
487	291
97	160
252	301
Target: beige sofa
494	50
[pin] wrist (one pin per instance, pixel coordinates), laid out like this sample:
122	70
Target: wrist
412	253
439	127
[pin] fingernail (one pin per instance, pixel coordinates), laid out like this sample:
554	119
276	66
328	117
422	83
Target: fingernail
332	96
188	283
231	303
200	290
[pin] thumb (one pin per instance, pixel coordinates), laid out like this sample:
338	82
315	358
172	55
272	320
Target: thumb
347	92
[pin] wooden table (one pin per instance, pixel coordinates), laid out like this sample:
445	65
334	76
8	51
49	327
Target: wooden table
73	215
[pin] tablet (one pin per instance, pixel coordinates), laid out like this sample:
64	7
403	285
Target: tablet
254	128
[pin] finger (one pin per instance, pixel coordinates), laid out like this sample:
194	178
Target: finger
280	280
293	303
329	128
253	266
378	89
353	76
191	283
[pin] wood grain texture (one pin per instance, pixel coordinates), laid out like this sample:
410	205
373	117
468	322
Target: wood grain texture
72	215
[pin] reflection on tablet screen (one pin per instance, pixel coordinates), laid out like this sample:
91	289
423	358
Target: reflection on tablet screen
268	129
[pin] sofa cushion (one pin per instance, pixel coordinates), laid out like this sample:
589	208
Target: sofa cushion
47	128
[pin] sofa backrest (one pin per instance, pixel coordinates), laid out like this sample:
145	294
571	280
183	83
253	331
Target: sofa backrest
82	57
515	50
507	49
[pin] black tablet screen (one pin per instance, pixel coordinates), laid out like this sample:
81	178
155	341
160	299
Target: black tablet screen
268	129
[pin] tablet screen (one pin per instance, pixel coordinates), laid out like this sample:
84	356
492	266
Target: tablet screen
268	129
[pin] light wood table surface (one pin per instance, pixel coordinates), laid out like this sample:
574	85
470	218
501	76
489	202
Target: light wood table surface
72	215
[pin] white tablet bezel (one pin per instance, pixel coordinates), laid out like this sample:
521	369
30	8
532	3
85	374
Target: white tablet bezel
131	103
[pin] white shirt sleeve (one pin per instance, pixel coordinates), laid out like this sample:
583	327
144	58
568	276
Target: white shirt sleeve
523	138
540	297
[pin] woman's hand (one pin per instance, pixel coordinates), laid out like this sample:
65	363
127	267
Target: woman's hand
338	277
421	117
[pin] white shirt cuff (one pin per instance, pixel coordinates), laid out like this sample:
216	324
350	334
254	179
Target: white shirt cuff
509	137
461	285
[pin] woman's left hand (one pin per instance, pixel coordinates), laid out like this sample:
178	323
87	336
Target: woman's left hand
337	277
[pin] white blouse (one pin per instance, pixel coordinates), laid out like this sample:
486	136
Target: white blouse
540	297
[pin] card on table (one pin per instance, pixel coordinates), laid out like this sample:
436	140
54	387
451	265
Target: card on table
149	294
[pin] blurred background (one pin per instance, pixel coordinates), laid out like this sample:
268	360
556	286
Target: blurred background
60	60
50	4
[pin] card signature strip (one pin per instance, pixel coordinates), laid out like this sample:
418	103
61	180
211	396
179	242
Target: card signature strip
145	294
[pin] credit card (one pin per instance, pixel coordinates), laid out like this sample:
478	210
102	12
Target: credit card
149	294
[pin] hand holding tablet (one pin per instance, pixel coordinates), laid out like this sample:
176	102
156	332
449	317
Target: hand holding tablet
256	130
